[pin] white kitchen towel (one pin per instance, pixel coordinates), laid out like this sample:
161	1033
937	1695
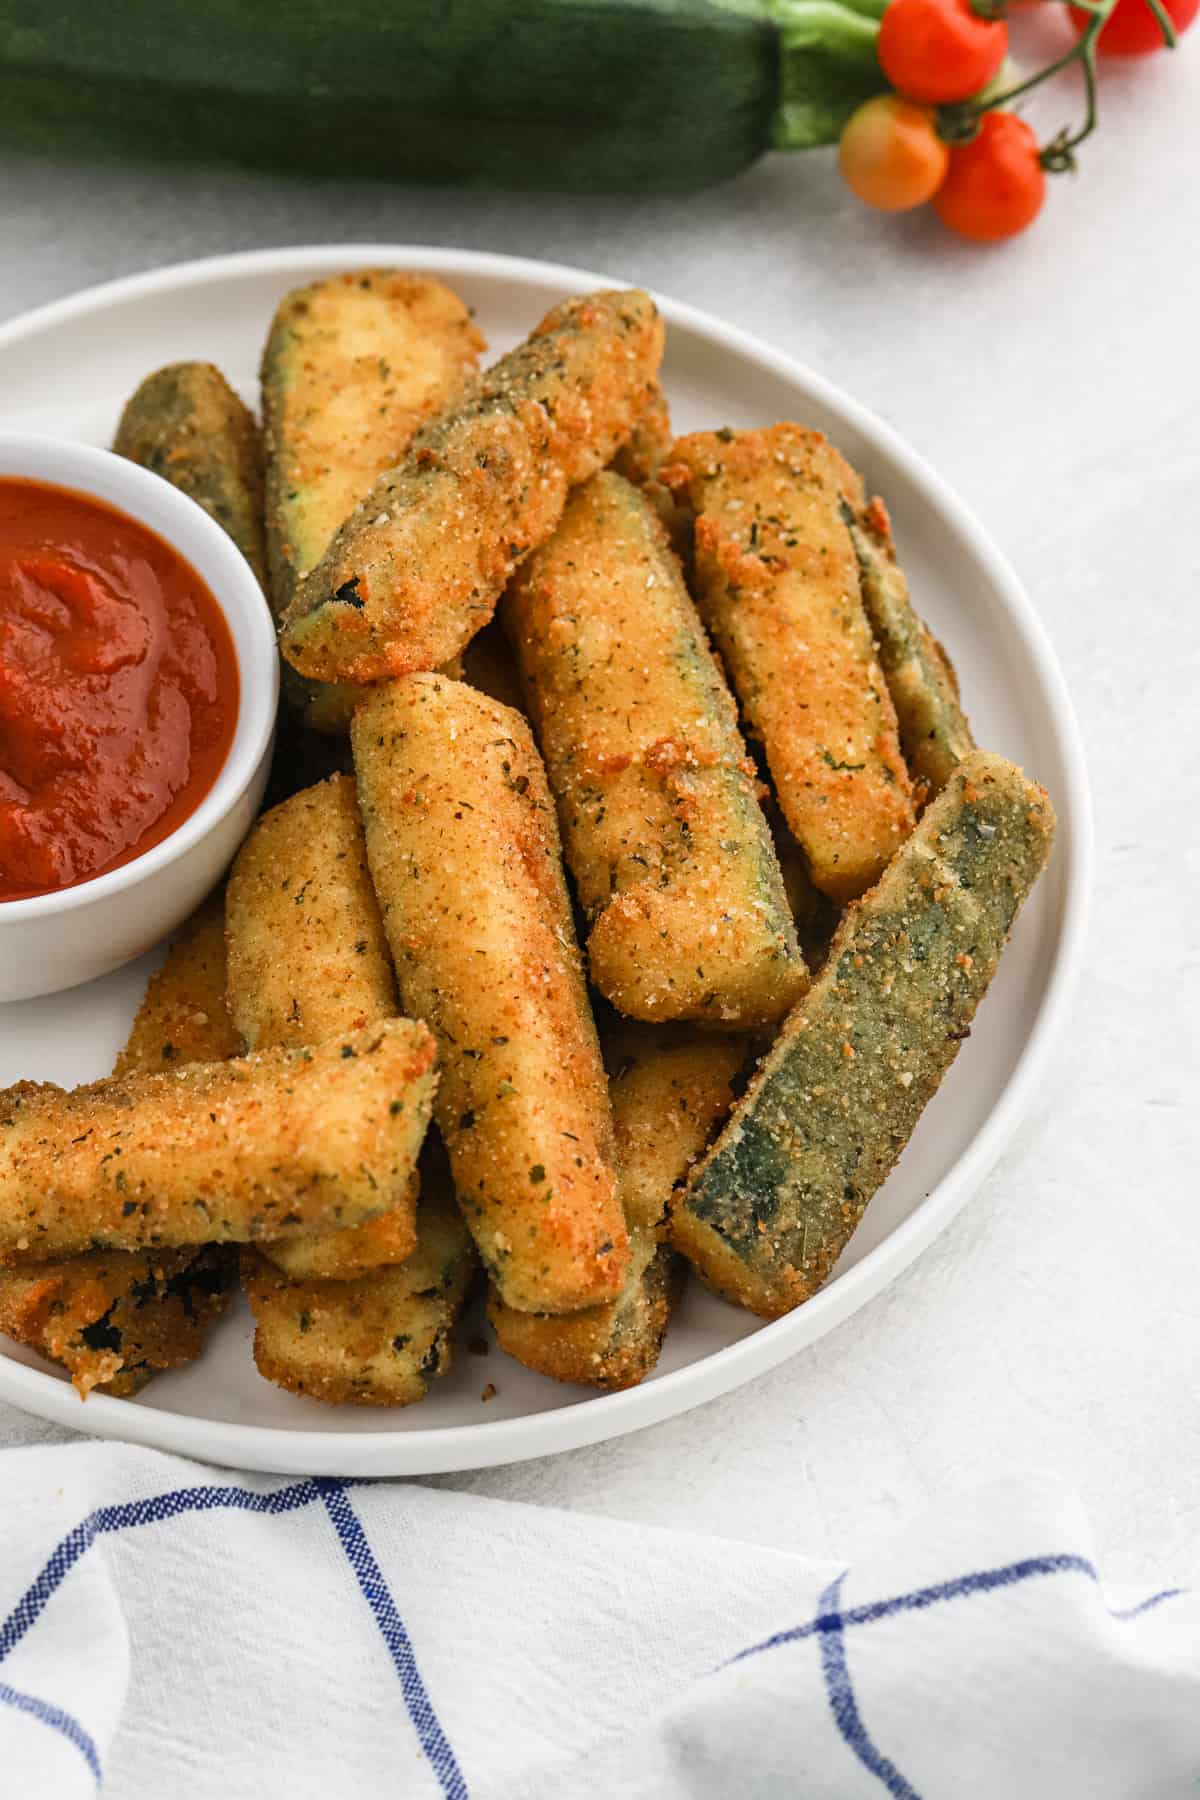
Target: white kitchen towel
174	1629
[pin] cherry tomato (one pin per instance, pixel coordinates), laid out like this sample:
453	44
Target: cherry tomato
890	153
938	51
1131	29
995	185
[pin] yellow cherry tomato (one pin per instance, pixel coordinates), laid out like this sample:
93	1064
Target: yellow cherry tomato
891	155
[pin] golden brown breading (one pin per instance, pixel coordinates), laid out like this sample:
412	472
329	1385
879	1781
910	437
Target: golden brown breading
374	1342
464	854
269	1145
934	733
353	365
671	854
308	961
308	958
649	443
183	1017
417	569
833	1103
186	424
115	1318
668	1093
777	582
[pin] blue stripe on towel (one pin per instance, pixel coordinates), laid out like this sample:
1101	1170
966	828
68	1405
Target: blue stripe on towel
173	1505
375	1590
842	1702
981	1581
56	1719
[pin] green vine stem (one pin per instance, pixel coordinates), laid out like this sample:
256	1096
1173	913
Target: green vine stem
958	124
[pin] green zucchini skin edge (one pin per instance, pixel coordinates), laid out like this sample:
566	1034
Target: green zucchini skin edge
835	1100
577	95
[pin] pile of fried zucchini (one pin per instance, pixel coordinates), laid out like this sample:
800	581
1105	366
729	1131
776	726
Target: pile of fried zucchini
628	882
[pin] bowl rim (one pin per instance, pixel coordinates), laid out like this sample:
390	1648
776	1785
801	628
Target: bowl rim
242	604
598	1417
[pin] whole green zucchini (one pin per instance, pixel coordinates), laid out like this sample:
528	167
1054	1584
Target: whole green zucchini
568	94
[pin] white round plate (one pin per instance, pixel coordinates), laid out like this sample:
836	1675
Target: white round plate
67	369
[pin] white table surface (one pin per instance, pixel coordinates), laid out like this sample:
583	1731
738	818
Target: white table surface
1054	382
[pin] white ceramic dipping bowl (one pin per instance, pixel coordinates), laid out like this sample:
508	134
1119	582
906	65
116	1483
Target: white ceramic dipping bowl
58	940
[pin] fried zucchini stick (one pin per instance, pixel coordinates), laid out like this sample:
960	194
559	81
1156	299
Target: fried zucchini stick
934	733
663	832
777	582
668	1092
184	1017
464	854
378	1341
186	424
308	961
649	443
275	1144
417	569
352	367
835	1100
115	1318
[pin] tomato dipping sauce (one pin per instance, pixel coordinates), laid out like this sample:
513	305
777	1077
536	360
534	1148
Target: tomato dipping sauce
118	688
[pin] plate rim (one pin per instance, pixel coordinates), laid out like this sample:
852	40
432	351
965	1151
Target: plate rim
599	1417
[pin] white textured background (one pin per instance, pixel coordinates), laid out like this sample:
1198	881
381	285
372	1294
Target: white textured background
1056	383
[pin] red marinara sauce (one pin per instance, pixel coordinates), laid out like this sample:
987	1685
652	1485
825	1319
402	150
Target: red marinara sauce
118	688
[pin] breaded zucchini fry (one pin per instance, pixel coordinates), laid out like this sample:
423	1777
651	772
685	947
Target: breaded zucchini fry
274	1144
417	569
662	829
114	1318
668	1092
183	1017
934	733
464	854
186	424
308	961
649	444
776	578
308	958
374	1342
352	367
837	1097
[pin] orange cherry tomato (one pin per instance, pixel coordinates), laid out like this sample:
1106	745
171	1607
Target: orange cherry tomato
995	185
939	51
891	155
1131	29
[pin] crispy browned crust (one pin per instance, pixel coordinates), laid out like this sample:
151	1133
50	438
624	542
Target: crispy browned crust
669	1091
353	365
777	580
837	1097
657	799
649	443
115	1318
417	569
186	424
464	852
308	960
378	1341
934	732
265	1146
183	1017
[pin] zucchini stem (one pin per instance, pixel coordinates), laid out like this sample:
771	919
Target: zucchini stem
828	65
